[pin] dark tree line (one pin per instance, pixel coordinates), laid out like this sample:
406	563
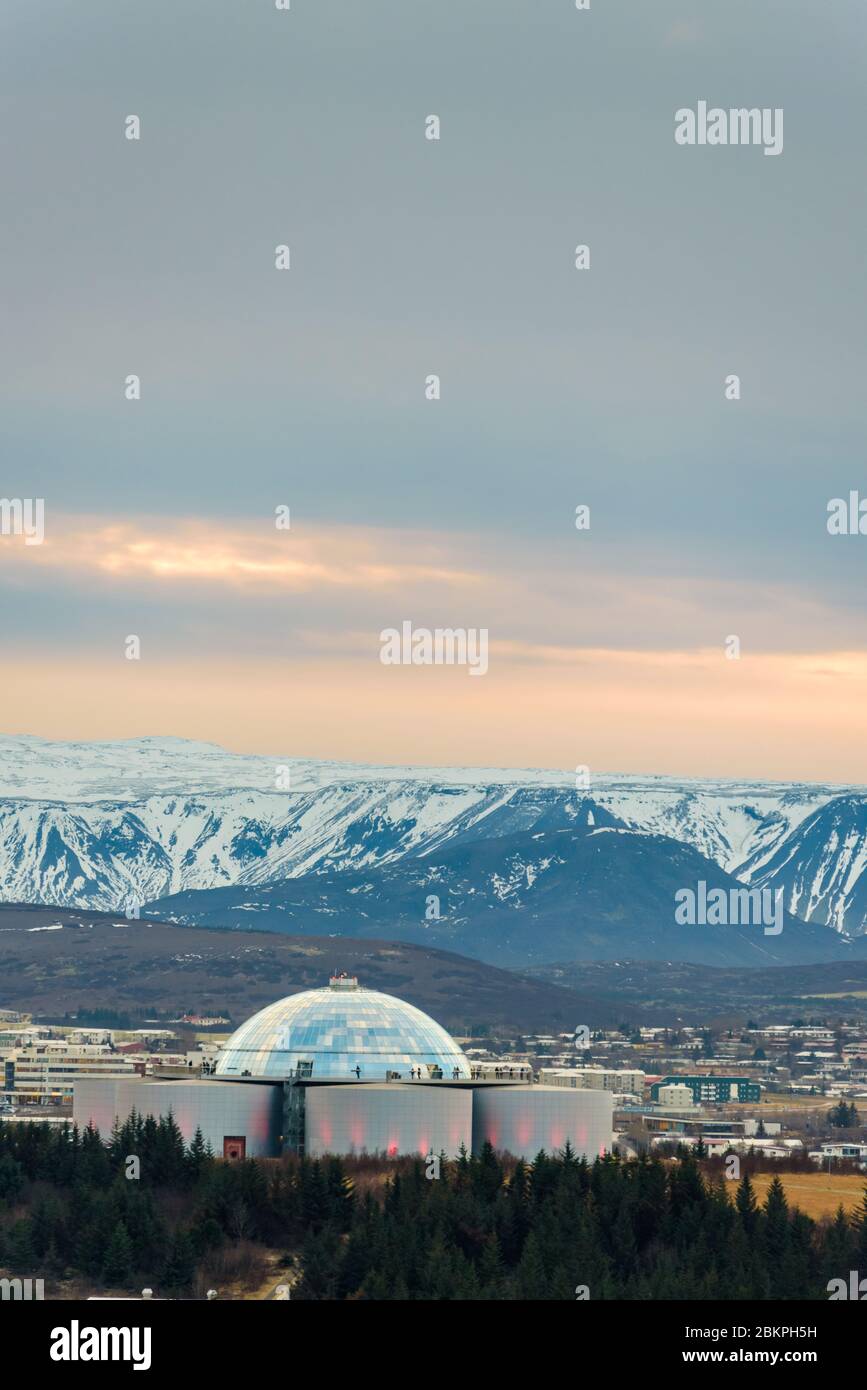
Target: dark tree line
143	1207
621	1230
482	1229
843	1116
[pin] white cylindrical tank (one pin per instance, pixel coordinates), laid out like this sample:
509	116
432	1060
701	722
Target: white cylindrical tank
387	1118
521	1120
238	1119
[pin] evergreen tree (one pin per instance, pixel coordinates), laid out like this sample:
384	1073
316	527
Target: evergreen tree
340	1195
745	1202
776	1232
167	1160
197	1157
19	1250
318	1261
859	1231
532	1280
840	1242
46	1224
491	1269
355	1265
11	1179
180	1264
118	1257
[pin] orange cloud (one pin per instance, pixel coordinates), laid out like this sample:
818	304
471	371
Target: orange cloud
243	555
622	672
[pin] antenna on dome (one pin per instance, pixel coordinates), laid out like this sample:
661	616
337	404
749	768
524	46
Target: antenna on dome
343	981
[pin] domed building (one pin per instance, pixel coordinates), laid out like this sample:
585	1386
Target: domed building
347	1070
342	1032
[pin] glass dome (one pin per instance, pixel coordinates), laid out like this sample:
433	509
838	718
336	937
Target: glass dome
341	1031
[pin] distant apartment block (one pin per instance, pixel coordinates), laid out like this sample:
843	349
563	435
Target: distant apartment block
595	1079
51	1069
676	1096
712	1090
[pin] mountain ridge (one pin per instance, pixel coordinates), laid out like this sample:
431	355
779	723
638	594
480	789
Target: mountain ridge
114	825
597	891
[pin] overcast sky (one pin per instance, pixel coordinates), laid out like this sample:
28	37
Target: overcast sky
455	257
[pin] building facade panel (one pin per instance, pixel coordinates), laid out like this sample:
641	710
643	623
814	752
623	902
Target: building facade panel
716	1090
595	1078
223	1110
390	1119
524	1119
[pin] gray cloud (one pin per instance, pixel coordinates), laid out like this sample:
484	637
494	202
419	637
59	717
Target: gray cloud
410	257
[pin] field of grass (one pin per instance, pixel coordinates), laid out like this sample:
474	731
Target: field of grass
817	1194
775	1103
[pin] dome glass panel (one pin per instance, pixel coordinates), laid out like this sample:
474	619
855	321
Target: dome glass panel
341	1031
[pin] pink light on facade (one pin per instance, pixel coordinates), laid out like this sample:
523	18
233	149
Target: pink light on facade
183	1117
356	1135
356	1130
258	1128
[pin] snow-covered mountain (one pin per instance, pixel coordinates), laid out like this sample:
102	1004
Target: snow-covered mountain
821	866
133	769
596	891
102	825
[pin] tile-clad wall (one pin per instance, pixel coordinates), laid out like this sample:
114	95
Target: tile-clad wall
221	1109
389	1119
521	1120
